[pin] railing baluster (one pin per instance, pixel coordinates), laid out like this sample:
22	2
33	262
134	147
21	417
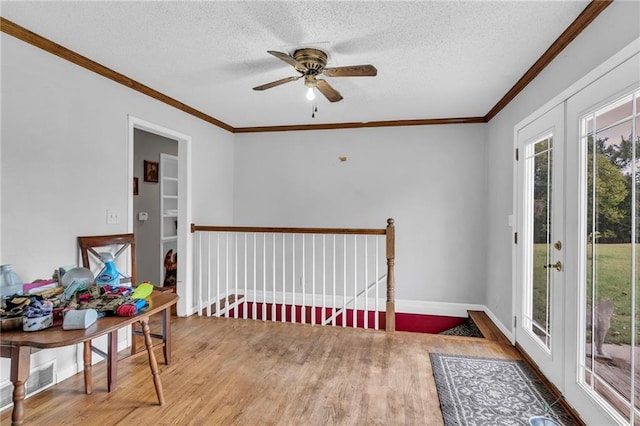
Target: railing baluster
313	279
244	296
273	277
254	306
366	282
324	281
283	313
376	319
344	280
303	314
293	278
218	310
199	273
264	277
235	277
226	276
334	307
355	281
209	290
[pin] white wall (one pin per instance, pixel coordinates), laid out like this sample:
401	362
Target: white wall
65	159
430	179
616	27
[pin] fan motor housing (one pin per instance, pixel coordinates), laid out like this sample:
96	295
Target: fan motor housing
314	59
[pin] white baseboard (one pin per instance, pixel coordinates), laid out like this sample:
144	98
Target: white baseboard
65	373
508	334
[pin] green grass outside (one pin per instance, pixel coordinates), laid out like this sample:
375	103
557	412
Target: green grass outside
613	281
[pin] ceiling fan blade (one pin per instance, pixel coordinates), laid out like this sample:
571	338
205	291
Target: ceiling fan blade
329	92
351	71
276	83
288	59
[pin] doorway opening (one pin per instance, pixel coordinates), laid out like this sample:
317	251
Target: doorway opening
155	206
163	181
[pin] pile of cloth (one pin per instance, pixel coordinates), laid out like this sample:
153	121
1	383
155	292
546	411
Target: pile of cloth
110	300
48	309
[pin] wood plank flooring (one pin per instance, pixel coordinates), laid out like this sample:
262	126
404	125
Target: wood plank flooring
487	327
244	372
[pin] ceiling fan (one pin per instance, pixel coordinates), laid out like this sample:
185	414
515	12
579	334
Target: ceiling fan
310	63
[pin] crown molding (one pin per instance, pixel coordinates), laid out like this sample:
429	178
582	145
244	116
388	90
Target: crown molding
583	20
47	45
586	17
356	125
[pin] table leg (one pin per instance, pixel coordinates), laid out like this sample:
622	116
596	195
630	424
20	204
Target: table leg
20	365
112	361
153	364
133	340
166	328
88	380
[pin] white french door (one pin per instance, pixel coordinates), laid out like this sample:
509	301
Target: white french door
540	242
577	257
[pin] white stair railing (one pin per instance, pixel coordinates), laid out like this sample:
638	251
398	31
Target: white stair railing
318	276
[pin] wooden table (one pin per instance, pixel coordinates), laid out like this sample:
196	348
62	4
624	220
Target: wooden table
19	345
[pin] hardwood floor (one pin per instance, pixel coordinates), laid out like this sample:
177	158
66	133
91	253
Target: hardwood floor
244	372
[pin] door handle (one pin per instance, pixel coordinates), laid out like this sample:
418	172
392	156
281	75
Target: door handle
557	266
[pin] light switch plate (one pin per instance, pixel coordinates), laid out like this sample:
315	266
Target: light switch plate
113	217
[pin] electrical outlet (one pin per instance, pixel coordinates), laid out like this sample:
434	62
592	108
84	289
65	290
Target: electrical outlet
113	217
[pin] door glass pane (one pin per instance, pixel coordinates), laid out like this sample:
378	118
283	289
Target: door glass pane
611	256
540	298
620	110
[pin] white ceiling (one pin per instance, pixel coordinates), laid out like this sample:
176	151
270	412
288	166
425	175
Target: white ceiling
434	59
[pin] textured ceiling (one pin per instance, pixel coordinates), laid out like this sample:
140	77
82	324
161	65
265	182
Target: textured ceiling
434	59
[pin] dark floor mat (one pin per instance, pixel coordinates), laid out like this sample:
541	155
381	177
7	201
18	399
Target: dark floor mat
468	329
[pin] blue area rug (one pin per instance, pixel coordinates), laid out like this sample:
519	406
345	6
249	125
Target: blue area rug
483	391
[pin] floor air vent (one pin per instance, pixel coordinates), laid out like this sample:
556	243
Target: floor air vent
39	379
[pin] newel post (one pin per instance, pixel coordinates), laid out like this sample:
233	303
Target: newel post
391	280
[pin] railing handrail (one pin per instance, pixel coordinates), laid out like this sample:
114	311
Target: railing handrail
275	230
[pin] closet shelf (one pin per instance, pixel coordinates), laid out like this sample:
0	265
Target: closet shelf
168	206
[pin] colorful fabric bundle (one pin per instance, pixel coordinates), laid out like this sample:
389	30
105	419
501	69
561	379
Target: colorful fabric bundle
131	308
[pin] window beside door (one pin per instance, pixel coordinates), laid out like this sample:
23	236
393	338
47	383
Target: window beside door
537	312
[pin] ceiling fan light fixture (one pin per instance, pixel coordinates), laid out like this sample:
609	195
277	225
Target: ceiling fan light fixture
311	95
310	82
